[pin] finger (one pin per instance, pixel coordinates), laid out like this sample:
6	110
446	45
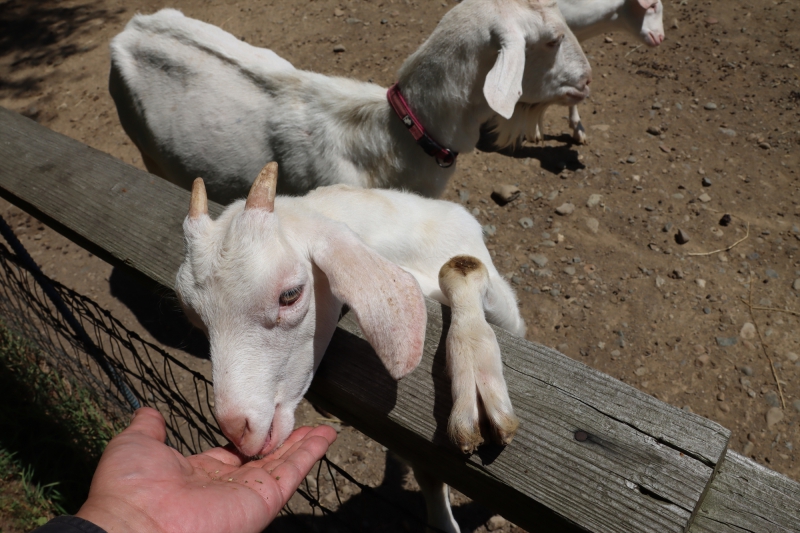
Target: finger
149	422
297	436
295	466
224	455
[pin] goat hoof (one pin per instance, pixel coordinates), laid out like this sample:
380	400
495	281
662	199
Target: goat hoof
504	433
579	134
466	436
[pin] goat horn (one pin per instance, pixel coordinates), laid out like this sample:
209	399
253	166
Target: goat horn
262	193
199	204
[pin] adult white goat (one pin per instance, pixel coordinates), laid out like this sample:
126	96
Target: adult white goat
197	101
586	18
266	282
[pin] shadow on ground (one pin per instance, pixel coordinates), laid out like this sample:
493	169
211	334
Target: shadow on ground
43	32
391	508
159	313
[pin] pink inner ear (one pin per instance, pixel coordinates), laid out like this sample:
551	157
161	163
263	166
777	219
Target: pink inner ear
647	4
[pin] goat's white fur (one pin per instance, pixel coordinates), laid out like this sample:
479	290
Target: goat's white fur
378	251
197	101
586	18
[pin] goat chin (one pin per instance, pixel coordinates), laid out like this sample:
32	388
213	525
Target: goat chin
509	133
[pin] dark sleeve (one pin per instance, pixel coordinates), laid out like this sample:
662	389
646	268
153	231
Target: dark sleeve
69	524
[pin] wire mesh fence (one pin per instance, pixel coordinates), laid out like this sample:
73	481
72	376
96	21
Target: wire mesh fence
183	395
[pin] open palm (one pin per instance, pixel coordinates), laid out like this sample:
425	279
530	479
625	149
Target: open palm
143	485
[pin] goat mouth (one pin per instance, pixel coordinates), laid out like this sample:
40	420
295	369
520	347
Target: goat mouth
266	449
575	96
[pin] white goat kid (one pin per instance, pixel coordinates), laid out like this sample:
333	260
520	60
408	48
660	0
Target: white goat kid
586	18
267	280
197	101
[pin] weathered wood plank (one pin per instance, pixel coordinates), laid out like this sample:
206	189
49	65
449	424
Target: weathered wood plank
747	497
644	466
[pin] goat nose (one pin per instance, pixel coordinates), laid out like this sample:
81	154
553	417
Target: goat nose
235	428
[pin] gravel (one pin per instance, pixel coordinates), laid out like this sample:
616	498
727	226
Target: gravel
565	209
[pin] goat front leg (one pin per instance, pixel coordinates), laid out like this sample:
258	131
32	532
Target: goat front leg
437	501
473	359
578	133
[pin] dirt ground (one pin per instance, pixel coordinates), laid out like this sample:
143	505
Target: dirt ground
708	124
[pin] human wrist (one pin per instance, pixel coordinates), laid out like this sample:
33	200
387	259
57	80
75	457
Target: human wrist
116	516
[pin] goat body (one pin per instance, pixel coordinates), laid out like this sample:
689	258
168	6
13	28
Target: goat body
267	280
197	101
586	18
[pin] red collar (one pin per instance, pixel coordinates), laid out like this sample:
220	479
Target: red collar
444	156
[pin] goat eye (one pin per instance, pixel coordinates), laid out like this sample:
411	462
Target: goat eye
289	297
555	42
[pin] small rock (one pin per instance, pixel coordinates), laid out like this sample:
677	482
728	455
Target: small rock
496	522
727	131
594	200
516	280
503	194
660	281
654	247
706	182
475	211
724	407
747	371
748	448
748	331
565	209
641	371
526	222
682	237
771	273
796	405
489	230
653	130
463	195
668	226
764	146
674	24
552	196
608	39
796	284
353	20
725	220
594	226
339	49
704	198
338	12
703	360
711	20
792	357
724	342
656	105
774	416
615	353
631	159
570	270
772	399
677	274
540	259
384	21
701	283
707	310
710	106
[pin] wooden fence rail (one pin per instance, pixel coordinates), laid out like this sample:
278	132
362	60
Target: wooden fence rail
645	467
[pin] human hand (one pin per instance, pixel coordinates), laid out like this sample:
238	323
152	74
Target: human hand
141	484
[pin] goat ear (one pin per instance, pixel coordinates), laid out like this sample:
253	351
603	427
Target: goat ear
386	300
503	85
647	4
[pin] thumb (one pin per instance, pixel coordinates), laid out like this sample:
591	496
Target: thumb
149	422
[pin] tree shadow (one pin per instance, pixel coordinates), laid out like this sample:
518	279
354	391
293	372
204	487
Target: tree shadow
158	311
552	158
44	32
389	508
